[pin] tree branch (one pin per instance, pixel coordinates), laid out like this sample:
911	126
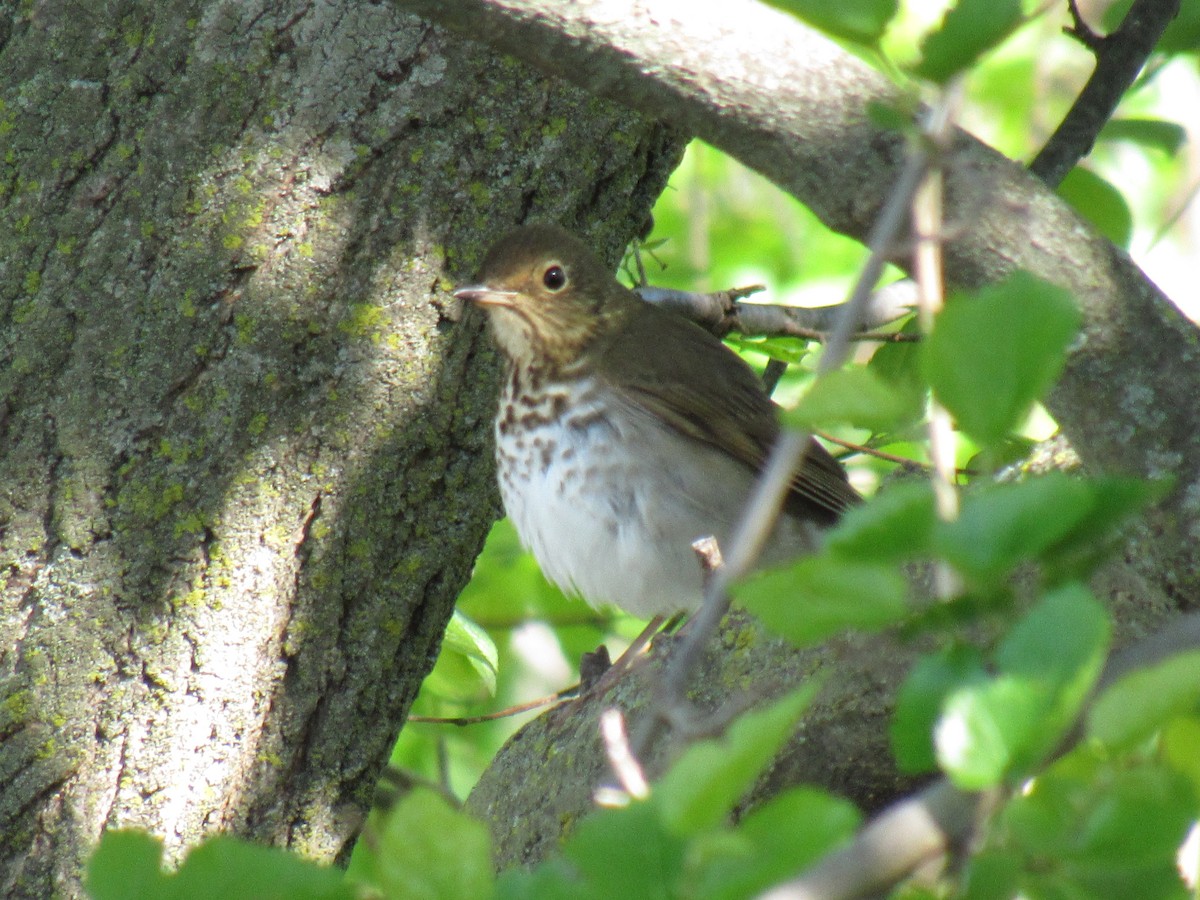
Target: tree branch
1119	58
791	104
722	313
940	817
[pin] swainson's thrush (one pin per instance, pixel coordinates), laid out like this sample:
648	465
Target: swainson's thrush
625	432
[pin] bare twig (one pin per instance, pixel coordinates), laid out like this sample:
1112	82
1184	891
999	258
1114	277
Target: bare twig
1119	58
625	766
463	721
722	313
767	498
927	268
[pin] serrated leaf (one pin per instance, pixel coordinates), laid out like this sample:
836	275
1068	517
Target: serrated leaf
822	595
1100	203
699	791
992	354
1141	702
126	863
969	29
852	396
861	21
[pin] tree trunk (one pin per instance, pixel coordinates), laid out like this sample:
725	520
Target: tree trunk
244	433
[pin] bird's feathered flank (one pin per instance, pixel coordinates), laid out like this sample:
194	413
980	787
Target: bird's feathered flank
702	389
690	381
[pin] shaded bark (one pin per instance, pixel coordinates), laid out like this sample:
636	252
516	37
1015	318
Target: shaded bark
244	451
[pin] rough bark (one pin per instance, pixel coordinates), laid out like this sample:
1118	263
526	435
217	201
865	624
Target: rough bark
794	106
244	454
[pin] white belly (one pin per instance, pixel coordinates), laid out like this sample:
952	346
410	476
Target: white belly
610	505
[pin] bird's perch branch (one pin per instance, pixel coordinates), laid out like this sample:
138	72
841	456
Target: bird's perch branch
722	313
790	103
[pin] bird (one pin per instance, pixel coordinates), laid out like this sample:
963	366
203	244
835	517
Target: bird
625	432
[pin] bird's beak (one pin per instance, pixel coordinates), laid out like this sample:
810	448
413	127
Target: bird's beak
484	295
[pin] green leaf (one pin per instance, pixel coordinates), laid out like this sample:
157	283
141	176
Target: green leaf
786	834
126	863
1048	664
1180	748
1156	133
991	355
982	727
854	396
969	29
428	849
920	700
1141	702
624	853
467	663
700	789
1060	647
1181	36
1053	517
1100	203
895	525
228	867
785	349
1094	826
861	21
822	595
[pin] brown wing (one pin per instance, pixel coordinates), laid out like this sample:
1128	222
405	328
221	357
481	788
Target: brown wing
704	390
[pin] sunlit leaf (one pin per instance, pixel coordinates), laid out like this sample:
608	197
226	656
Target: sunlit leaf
852	396
970	28
699	791
920	700
1143	701
861	21
822	595
1100	203
992	354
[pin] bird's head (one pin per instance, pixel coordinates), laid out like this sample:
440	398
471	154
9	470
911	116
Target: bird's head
546	294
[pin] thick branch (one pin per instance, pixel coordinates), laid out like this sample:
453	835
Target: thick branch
1119	58
792	105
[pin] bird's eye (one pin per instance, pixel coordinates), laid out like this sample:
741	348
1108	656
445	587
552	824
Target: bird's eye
554	278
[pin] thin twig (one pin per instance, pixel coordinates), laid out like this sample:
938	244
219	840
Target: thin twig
462	721
786	456
927	269
621	760
1120	56
904	461
723	313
